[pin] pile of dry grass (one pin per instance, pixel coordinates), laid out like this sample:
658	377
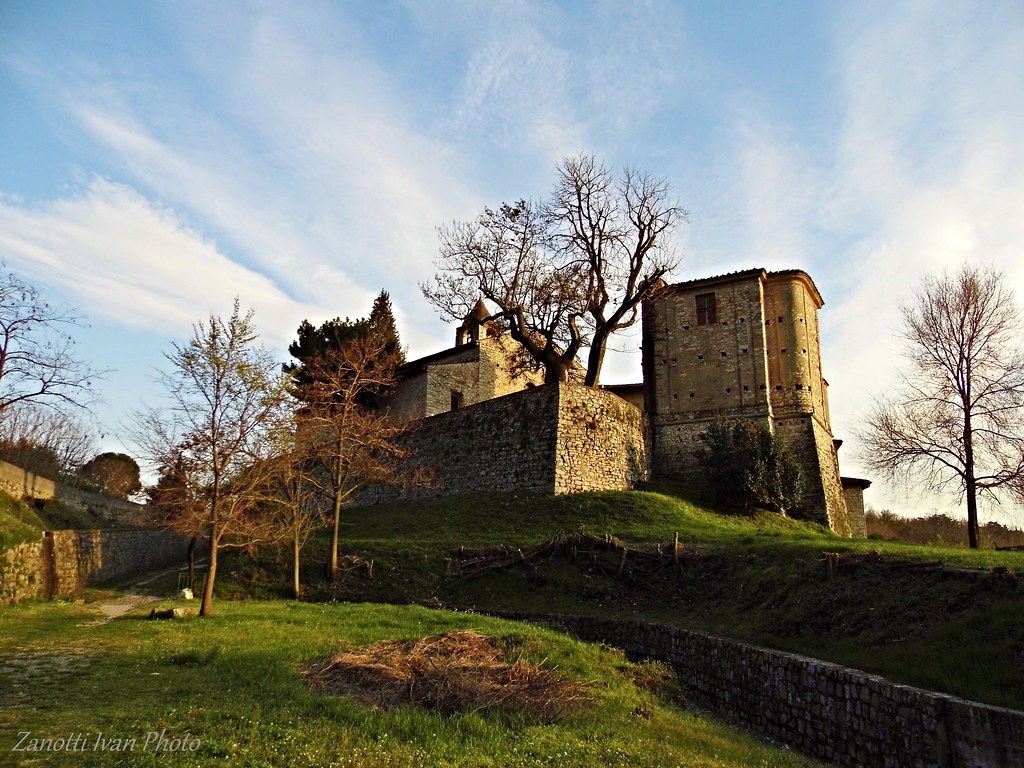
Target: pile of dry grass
459	671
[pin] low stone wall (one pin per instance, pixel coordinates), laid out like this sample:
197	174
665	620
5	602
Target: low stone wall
823	710
114	510
22	484
64	562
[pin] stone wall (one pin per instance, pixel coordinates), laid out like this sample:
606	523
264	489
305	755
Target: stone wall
853	490
23	573
824	710
64	562
23	484
555	438
505	445
600	441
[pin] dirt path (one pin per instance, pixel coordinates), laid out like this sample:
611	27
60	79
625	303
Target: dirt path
131	598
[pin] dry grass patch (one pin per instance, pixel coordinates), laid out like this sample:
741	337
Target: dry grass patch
458	671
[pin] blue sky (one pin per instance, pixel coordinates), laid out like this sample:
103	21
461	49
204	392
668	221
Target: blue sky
158	159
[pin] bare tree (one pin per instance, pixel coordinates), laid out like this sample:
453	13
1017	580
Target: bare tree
44	440
225	394
565	273
37	362
295	510
616	231
958	424
352	443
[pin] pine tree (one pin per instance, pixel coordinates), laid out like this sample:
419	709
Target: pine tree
382	321
315	344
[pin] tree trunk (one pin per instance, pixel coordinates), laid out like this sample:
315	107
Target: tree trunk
206	608
192	561
556	371
332	558
295	568
972	514
595	359
971	489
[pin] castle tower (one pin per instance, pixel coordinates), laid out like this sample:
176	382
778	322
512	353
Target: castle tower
742	346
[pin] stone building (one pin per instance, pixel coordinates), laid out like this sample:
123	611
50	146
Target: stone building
742	346
479	367
739	346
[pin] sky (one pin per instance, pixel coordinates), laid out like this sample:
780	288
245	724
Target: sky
159	159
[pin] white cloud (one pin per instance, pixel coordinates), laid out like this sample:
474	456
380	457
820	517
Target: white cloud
929	174
135	263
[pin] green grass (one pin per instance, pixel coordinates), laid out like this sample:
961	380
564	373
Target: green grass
233	682
18	522
958	629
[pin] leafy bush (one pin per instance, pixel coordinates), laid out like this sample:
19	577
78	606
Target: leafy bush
746	466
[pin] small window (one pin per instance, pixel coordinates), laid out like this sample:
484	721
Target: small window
456	400
706	309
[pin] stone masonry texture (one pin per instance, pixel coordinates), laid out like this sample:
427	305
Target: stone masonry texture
829	712
551	439
758	358
64	562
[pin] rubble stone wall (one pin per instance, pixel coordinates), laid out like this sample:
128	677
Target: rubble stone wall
65	562
830	712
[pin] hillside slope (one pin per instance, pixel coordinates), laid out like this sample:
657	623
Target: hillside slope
942	618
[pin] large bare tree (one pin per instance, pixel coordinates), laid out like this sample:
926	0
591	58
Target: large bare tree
564	273
958	423
37	361
226	396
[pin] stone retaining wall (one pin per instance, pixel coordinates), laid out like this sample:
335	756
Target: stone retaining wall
64	562
824	710
556	438
22	484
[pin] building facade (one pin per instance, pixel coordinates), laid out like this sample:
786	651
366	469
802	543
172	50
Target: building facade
480	367
742	346
739	346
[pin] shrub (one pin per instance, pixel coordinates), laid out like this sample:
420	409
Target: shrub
746	466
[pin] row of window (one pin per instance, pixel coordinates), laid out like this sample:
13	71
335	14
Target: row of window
743	351
778	388
707	312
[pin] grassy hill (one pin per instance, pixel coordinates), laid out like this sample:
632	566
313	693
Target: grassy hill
942	618
19	523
